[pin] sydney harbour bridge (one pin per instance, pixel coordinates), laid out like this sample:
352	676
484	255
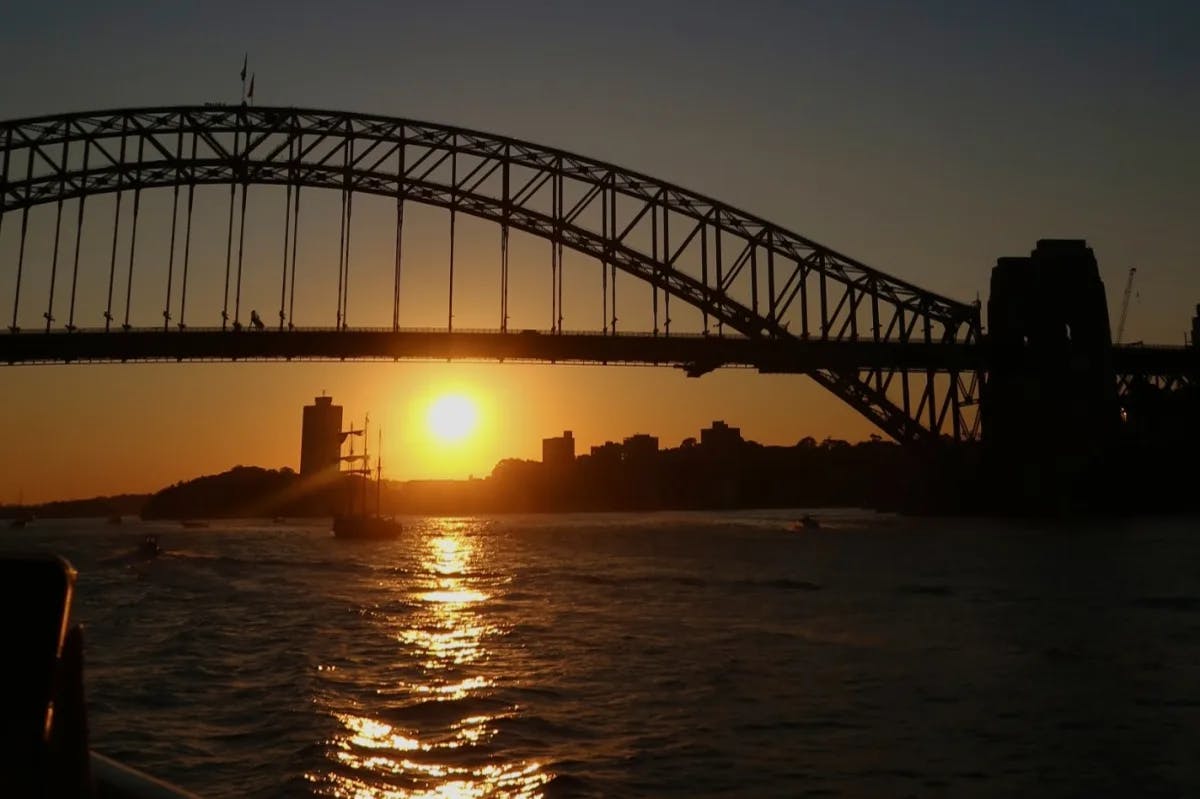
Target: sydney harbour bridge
702	285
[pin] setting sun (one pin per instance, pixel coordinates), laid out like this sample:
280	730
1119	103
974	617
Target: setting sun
452	418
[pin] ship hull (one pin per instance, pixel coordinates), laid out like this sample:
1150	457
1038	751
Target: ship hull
368	528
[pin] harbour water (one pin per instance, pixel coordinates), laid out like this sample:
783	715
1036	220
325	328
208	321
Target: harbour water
666	654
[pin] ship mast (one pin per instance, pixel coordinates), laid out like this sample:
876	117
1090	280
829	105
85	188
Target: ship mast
379	471
359	466
365	470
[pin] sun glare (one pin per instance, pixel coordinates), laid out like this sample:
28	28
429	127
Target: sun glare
452	418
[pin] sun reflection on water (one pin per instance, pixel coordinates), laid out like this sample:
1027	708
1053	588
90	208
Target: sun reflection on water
442	636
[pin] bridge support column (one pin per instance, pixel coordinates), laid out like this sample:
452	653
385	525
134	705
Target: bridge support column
1050	412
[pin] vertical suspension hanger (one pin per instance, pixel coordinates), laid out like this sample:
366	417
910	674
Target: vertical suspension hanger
295	235
612	261
804	270
112	267
823	298
87	147
287	228
772	315
654	258
342	231
137	204
453	205
554	213
4	172
754	275
349	227
187	236
720	286
505	211
233	174
244	170
400	158
62	187
559	247
504	277
667	265
704	269
4	175
14	328
604	234
166	313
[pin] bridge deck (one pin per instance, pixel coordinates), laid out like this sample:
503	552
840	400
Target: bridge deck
696	353
692	352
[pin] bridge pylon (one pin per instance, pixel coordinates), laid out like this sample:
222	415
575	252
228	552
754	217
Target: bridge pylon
1050	409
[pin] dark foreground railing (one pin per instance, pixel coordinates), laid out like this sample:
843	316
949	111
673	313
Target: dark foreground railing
114	780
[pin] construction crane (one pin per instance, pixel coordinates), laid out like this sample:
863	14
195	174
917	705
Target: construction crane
1125	304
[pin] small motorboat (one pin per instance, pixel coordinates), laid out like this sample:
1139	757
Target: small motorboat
806	522
144	551
149	547
114	518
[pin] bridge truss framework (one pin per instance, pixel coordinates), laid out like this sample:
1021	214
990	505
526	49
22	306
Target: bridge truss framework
749	279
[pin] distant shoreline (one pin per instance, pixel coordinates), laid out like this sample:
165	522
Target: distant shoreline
732	475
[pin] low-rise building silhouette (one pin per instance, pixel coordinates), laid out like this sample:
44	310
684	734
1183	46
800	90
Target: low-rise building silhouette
606	454
721	436
639	448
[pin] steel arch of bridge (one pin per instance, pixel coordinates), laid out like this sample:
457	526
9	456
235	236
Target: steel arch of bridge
746	275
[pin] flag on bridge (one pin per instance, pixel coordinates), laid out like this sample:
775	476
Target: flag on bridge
250	94
245	60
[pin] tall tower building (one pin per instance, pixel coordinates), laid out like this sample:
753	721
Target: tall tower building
321	438
559	452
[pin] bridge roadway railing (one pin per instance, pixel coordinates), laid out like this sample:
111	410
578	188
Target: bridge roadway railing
696	353
1159	359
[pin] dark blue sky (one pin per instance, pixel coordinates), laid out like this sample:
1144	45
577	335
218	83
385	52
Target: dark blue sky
923	138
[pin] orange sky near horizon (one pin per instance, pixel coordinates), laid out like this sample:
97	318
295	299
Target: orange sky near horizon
209	417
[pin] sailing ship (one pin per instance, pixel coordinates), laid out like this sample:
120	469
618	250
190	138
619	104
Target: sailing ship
24	515
356	522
